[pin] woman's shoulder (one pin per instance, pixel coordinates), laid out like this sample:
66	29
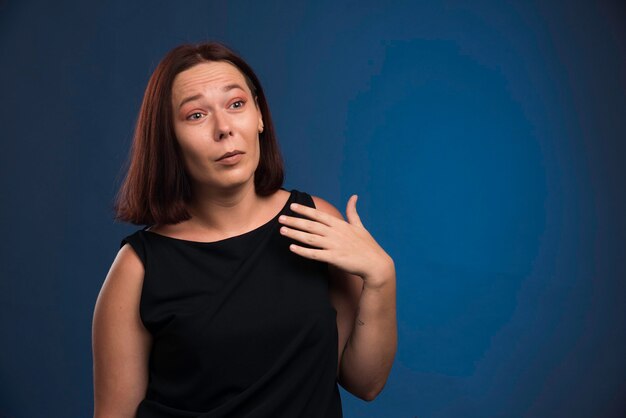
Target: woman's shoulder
166	229
322	204
325	206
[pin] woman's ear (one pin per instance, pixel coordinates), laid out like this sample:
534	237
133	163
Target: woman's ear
260	124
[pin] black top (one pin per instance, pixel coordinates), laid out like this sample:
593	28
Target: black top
241	327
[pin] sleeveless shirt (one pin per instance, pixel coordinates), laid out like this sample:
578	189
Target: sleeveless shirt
241	327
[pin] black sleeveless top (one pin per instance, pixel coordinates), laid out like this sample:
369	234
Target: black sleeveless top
241	327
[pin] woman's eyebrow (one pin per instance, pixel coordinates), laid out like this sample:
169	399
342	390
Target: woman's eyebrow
232	86
197	96
189	99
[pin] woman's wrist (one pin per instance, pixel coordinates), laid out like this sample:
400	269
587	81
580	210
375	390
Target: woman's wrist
383	275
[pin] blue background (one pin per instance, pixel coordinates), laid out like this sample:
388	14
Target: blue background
485	142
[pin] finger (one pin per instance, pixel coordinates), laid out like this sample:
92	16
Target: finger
351	214
304	237
303	224
313	254
316	215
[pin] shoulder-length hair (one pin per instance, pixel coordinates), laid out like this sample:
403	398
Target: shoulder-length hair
156	189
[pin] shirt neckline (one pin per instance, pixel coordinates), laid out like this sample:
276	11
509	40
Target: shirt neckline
271	221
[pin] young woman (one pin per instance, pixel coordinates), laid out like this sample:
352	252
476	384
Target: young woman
239	298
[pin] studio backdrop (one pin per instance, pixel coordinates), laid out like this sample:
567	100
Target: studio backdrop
485	141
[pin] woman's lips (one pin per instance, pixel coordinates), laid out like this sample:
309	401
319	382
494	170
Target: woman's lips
233	159
229	153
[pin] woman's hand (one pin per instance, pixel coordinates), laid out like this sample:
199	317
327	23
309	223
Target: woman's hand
345	245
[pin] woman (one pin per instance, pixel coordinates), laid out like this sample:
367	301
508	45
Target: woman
240	298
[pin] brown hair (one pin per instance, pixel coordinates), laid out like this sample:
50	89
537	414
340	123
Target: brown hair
156	188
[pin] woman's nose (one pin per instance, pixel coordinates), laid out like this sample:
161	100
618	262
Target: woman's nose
222	126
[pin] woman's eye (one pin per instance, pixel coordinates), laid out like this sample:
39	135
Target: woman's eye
238	104
193	116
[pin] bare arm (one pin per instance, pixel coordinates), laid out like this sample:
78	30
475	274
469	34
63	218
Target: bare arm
121	344
370	351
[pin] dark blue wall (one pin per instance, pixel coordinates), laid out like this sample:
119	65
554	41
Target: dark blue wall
486	143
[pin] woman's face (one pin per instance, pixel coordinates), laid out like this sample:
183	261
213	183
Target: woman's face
215	113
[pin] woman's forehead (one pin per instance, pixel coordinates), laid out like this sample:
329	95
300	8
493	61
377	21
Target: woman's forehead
212	75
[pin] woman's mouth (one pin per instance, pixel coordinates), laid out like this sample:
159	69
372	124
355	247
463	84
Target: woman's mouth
231	158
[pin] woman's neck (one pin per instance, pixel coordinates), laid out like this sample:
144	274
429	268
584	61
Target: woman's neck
225	211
